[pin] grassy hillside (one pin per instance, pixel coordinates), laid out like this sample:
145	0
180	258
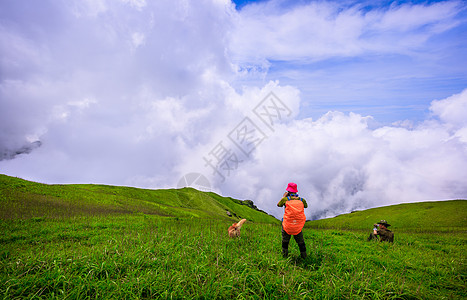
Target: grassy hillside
128	243
423	216
21	199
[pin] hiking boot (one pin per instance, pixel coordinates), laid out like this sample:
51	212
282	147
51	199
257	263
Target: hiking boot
303	255
285	252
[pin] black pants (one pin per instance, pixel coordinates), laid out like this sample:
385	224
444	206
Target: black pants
298	238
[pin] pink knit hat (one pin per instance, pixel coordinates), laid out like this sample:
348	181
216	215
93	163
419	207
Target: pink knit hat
292	187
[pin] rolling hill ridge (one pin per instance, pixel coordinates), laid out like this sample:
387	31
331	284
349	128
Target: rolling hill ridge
22	199
450	215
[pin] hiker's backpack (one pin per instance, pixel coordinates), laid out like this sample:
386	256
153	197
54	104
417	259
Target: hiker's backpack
294	216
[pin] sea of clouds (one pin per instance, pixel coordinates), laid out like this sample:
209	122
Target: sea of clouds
142	93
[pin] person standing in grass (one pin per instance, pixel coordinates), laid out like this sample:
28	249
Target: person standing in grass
293	220
381	230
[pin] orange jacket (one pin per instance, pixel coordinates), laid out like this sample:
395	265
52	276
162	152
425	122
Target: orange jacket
294	216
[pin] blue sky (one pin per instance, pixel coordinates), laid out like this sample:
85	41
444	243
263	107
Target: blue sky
389	85
361	103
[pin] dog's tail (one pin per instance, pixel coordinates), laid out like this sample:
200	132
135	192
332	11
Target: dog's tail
239	224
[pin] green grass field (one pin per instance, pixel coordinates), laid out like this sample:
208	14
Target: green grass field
449	216
120	243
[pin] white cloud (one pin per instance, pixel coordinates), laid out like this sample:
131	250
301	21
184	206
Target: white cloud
89	8
141	93
452	110
341	165
138	39
409	17
139	4
320	30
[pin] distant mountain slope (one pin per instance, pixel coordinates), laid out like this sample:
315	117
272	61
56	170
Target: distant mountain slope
444	215
25	199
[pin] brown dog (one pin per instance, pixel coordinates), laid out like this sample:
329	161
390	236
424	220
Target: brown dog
234	230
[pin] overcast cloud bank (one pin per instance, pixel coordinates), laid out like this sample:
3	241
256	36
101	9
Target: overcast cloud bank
141	93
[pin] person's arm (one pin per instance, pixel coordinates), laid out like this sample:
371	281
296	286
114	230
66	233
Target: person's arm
375	229
282	202
304	203
283	199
